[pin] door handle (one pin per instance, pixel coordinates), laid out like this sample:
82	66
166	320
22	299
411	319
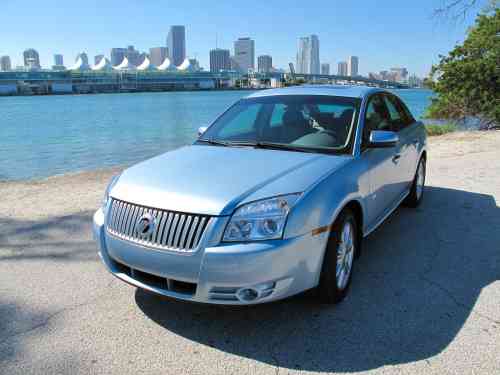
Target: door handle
396	158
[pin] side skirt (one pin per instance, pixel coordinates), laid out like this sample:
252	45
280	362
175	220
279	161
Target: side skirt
387	214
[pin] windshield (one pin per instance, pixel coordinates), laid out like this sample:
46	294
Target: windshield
302	122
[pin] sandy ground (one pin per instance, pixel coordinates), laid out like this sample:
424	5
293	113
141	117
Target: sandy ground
425	297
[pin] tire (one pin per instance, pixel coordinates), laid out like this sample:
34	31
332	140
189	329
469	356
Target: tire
416	195
332	289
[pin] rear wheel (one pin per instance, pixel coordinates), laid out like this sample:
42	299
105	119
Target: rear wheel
336	272
417	188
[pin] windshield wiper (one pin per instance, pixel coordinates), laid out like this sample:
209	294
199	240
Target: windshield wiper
262	145
214	142
281	146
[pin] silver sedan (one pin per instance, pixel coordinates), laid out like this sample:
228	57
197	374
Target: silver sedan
274	197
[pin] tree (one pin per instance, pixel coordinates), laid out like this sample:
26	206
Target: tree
467	80
458	9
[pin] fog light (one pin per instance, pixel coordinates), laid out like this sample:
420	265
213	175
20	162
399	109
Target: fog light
247	294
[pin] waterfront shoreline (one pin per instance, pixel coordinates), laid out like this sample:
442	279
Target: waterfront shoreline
447	145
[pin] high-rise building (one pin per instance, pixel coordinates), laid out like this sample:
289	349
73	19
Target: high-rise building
31	59
352	66
133	56
342	69
117	55
58	60
194	65
308	55
176	43
325	69
219	60
98	58
157	55
264	63
401	74
244	54
5	63
84	57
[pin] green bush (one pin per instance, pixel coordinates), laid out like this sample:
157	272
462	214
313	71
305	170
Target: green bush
439	129
467	81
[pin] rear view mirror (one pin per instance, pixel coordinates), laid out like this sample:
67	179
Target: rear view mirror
383	139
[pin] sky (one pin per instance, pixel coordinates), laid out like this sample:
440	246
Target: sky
383	33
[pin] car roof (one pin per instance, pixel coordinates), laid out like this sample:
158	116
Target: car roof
329	90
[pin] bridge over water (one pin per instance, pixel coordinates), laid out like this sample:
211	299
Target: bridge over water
334	79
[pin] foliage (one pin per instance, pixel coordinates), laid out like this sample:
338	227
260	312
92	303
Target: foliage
439	129
467	80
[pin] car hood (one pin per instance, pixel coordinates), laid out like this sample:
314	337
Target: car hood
213	180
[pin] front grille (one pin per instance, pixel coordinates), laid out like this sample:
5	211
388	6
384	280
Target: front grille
173	230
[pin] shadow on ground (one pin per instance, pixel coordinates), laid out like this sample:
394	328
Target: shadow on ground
414	288
60	238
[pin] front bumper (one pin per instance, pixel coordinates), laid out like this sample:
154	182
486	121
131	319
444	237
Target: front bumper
216	273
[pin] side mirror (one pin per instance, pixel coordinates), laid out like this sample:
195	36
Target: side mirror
201	130
382	139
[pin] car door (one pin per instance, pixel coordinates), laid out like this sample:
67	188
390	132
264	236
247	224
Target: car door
383	163
407	129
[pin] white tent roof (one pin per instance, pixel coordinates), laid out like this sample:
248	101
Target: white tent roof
124	65
185	65
165	65
79	65
103	64
146	65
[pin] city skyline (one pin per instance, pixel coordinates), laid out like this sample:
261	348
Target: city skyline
338	26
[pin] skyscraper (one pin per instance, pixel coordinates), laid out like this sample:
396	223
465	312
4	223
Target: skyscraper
157	55
325	69
117	55
195	65
5	63
400	74
133	56
84	57
264	63
308	55
219	60
244	54
176	43
31	59
342	69
58	60
352	66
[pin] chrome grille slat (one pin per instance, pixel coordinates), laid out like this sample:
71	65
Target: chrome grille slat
159	216
192	230
120	216
180	226
187	225
113	216
128	218
174	231
166	228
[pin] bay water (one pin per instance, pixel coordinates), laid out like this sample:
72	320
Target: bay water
42	136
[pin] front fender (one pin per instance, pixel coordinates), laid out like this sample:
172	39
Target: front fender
320	205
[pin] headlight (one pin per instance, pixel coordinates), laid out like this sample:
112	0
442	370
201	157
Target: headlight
112	183
260	220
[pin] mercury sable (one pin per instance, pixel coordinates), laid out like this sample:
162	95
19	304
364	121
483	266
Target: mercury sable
272	199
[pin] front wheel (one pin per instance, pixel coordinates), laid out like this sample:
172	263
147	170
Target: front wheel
417	188
338	262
